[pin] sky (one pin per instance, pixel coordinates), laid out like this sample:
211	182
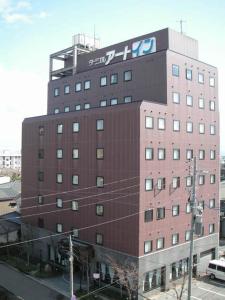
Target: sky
31	30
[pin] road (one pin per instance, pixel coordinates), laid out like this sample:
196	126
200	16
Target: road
24	287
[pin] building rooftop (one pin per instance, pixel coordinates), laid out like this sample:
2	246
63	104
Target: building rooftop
10	190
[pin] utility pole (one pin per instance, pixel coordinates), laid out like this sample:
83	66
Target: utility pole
193	216
73	297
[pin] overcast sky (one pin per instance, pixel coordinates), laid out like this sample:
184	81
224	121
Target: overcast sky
31	30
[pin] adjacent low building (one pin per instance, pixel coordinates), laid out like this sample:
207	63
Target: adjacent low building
10	160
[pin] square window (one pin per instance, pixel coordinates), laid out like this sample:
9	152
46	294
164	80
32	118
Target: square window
187	235
99	238
212	105
161	124
99	209
75	179
212	154
189	181
160	213
201	179
188	74
66	109
212	129
201	128
176	154
87	106
201	103
127	75
40	176
99	125
176	125
175	210
160	243
75	153
56	111
75	232
212	178
87	84
59	153
59	178
189	127
103	103
114	79
100	181
212	203
149	215
147	246
176	97
56	92
99	153
161	153
149	184
78	87
175	239
148	153
40	199
201	154
211	228
59	227
114	101
200	78
189	100
59	202
188	208
59	128
149	122
74	205
189	154
127	99
211	81
175	70
78	107
76	127
66	89
103	81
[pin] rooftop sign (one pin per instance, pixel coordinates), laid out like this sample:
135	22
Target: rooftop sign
138	48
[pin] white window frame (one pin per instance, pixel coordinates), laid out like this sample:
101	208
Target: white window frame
161	124
76	127
148	184
149	122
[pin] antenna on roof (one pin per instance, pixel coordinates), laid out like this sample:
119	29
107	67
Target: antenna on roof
181	25
94	36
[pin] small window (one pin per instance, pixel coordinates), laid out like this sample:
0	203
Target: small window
87	84
75	232
40	222
188	208
75	153
99	153
148	153
78	87
114	79
188	74
161	183
212	203
212	129
221	269
149	122
59	178
40	199
78	107
187	235
201	204
59	227
160	213
103	81
176	97
189	181
99	125
175	238
161	153
211	228
212	266
56	111
75	179
201	154
176	182
211	81
189	154
212	154
201	128
59	202
200	78
175	70
40	176
176	154
56	92
59	153
103	103
201	103
147	246
201	179
161	124
189	127
87	105
114	101
127	75
127	99
99	209
149	215
176	125
175	210
99	239
149	184
212	105
189	100
76	127
41	153
74	205
100	181
160	243
212	178
66	89
59	128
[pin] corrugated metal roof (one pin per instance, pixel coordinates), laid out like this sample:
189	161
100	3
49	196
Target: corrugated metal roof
10	190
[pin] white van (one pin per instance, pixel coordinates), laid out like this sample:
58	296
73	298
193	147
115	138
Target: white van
216	269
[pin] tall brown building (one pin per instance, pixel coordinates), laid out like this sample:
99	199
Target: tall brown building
111	160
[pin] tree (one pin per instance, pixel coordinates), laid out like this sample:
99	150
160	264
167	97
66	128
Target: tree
179	289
